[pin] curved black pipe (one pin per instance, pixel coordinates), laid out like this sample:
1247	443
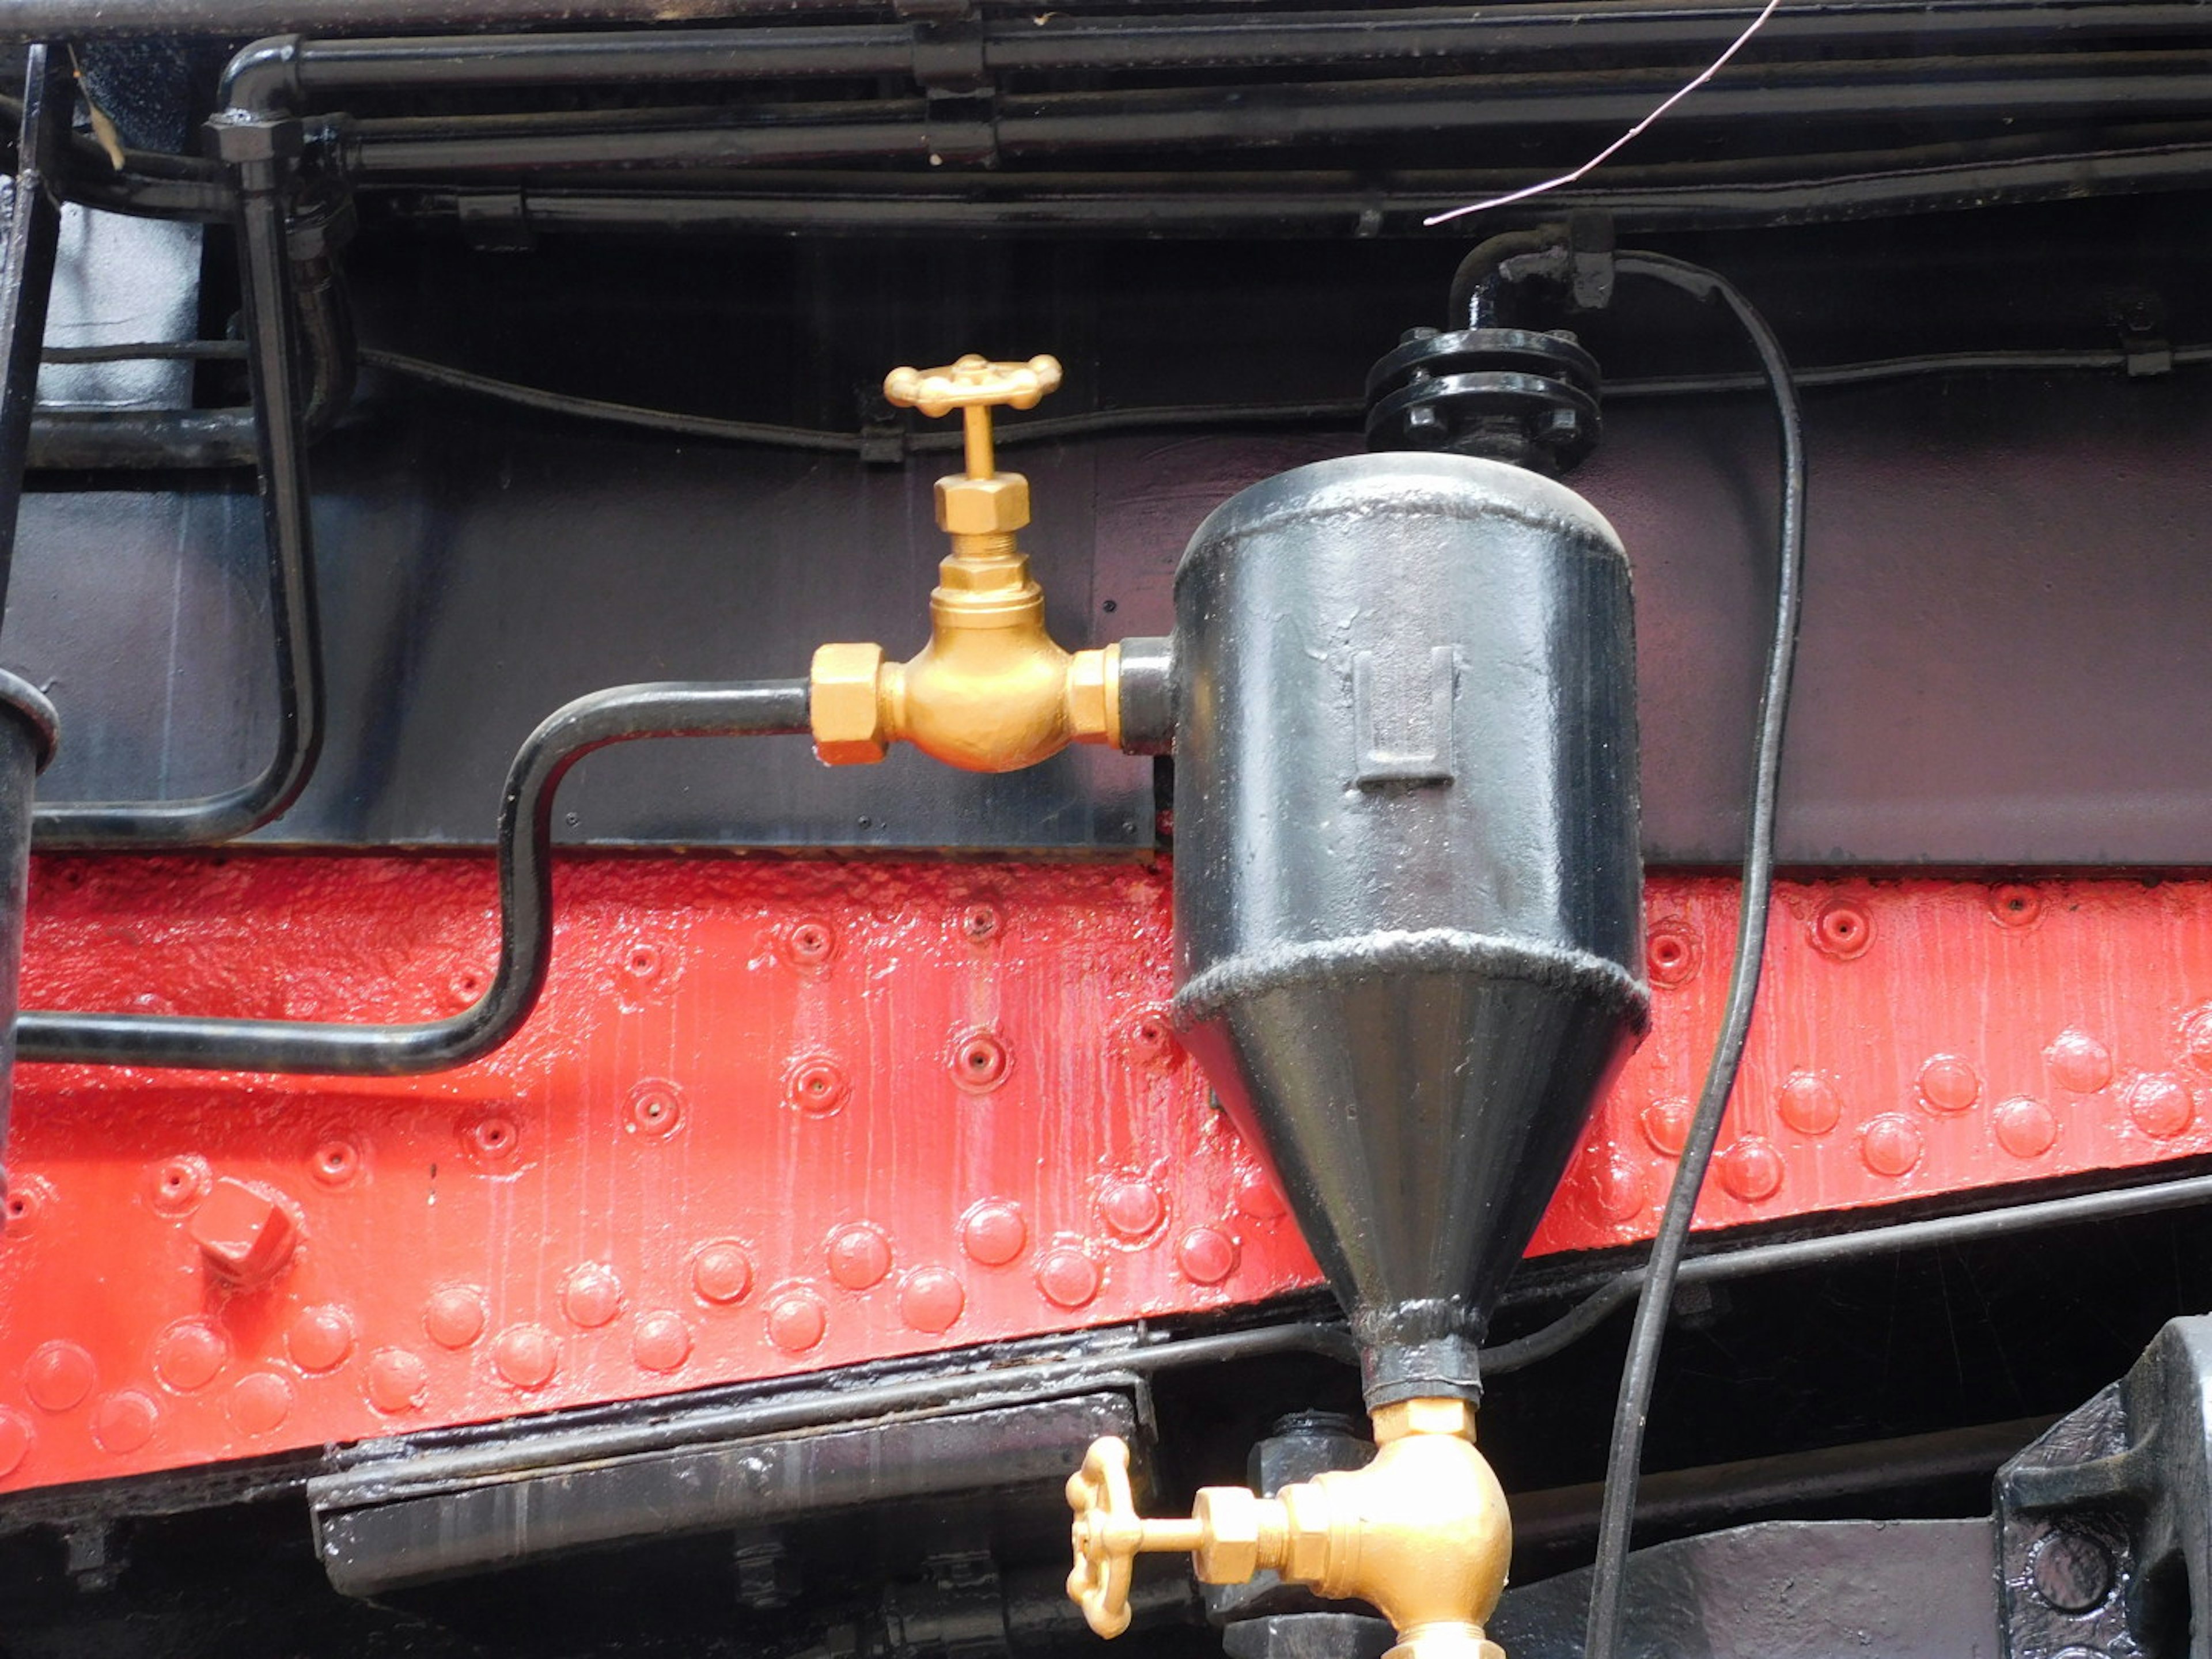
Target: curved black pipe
622	714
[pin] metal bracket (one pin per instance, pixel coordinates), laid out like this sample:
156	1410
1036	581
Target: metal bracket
2104	1524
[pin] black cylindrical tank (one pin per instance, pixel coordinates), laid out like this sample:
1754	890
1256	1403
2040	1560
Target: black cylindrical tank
1407	886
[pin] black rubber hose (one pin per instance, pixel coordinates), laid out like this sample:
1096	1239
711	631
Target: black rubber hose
622	714
1618	1512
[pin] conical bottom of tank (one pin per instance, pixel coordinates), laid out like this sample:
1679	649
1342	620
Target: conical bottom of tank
1419	1115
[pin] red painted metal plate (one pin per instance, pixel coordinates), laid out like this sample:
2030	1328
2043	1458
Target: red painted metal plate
774	1116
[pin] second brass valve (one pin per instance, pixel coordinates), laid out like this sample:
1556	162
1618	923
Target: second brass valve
992	691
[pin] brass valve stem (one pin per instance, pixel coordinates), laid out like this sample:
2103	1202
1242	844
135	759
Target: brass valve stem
992	691
1421	1532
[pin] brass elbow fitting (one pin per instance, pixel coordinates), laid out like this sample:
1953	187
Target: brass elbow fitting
992	691
1421	1532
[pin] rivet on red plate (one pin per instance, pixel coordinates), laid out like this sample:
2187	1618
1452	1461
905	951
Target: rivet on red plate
1068	1278
1751	1169
2162	1107
1890	1146
334	1164
397	1381
320	1338
2015	905
797	1320
1152	1034
993	1233
190	1354
16	1435
980	1061
1666	1125
1808	1104
1671	953
812	943
527	1355
1258	1197
980	922
593	1295
125	1421
2025	1128
2078	1062
860	1255
1948	1084
1842	930
454	1315
2197	1038
29	1198
1612	1184
58	1376
1132	1207
931	1299
260	1402
1206	1255
817	1085
655	1108
662	1341
722	1272
177	1184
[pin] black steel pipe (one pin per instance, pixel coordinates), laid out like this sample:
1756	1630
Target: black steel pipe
271	322
623	714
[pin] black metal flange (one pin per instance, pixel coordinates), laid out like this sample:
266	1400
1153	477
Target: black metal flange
1505	394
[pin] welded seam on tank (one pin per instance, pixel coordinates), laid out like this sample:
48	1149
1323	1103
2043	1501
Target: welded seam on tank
1425	950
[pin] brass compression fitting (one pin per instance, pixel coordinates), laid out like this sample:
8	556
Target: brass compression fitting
1421	1532
991	691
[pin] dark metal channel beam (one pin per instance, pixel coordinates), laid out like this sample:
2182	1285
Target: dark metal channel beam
30	234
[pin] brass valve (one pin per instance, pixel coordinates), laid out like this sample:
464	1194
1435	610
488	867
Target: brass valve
991	691
1421	1532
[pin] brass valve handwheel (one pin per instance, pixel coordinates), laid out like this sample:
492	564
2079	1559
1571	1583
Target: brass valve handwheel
1106	1533
972	382
975	386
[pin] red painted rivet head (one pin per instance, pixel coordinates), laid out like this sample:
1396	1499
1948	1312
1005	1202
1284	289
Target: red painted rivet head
1842	930
980	922
722	1272
28	1199
260	1402
2197	1038
592	1295
812	943
660	1342
334	1164
492	1140
320	1338
1948	1084
980	1061
1258	1197
1612	1185
16	1436
245	1234
397	1381
858	1256
2162	1107
1751	1169
1809	1103
125	1421
1206	1255
655	1109
1068	1278
175	1185
2079	1063
994	1232
817	1085
527	1356
1152	1035
797	1320
1132	1207
1671	952
58	1376
190	1354
641	963
1666	1126
932	1299
2015	904
454	1315
2025	1128
1890	1146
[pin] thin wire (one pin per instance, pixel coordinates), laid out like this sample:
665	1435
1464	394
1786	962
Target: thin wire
1619	143
1616	1513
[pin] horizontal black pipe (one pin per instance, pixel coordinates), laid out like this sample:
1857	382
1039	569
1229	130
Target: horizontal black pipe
1192	203
623	714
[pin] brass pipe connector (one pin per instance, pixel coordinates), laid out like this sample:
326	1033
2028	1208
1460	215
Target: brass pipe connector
1421	1532
992	691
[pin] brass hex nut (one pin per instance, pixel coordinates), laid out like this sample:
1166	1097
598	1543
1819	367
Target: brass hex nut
982	506
1405	1417
843	706
1229	1518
